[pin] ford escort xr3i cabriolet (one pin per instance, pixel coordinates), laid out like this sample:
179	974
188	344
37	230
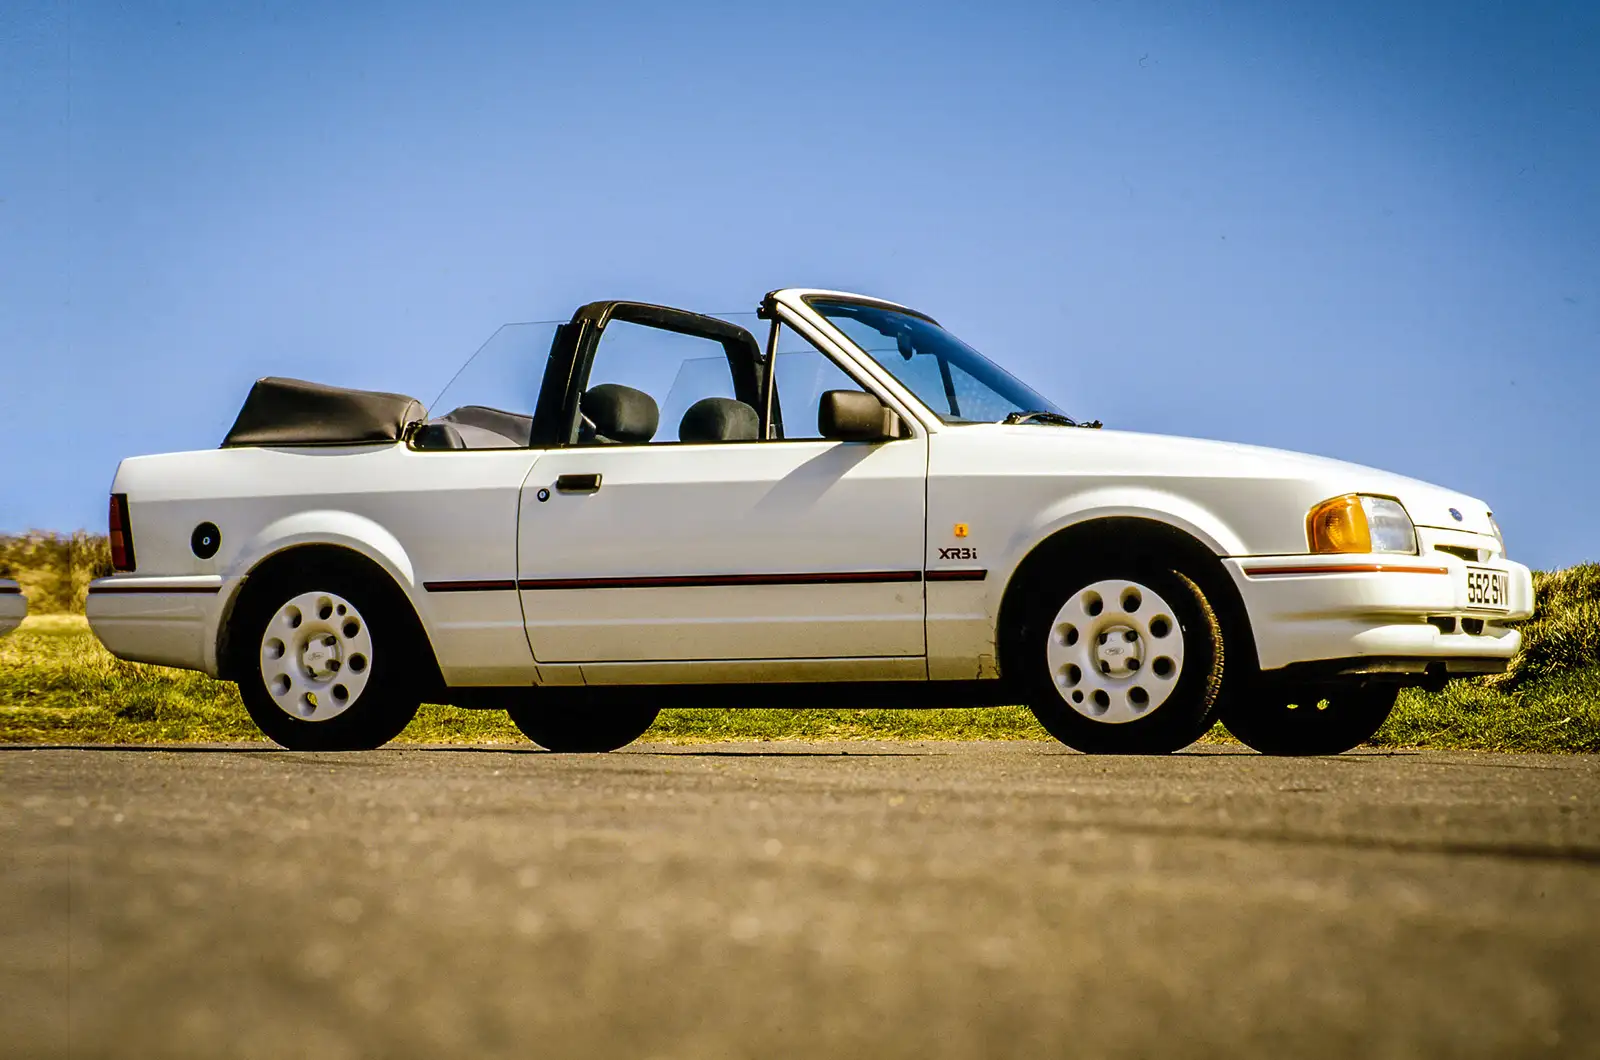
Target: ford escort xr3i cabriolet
644	507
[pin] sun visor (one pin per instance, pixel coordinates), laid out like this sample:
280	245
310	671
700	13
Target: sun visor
295	412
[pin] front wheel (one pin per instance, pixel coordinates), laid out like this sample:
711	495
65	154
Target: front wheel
590	728
1309	720
1119	657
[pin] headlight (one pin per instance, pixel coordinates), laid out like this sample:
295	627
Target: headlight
1500	538
1359	523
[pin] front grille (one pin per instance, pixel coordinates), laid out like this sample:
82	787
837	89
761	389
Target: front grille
1471	555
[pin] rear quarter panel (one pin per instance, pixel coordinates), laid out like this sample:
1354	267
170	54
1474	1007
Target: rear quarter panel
422	516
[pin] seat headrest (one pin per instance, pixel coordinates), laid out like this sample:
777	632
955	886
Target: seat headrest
619	414
719	419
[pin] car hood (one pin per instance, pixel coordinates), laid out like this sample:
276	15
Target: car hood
1168	455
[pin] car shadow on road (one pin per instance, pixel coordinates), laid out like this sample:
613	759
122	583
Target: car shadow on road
654	753
268	749
146	748
792	754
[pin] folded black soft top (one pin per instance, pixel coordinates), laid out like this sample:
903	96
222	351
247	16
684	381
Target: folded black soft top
295	412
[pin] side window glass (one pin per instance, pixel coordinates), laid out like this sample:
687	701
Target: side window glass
648	385
804	374
489	402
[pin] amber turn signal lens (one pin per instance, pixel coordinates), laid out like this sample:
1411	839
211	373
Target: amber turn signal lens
1339	525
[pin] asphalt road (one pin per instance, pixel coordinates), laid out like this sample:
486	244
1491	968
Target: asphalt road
778	900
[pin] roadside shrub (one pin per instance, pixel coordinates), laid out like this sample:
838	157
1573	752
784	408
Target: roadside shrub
54	569
90	559
1564	633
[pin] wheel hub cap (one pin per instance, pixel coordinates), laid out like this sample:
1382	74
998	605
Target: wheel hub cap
1118	651
1115	651
322	658
316	656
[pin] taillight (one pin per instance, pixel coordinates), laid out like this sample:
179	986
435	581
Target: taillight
121	534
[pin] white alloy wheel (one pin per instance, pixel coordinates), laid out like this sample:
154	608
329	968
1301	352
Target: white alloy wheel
316	656
1115	651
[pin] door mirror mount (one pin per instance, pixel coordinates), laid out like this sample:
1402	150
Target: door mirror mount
855	416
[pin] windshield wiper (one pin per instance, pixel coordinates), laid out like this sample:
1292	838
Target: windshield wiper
1054	419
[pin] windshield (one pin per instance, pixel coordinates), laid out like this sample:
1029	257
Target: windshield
957	382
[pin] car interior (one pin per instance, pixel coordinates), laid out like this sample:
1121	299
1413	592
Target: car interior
683	373
475	427
615	414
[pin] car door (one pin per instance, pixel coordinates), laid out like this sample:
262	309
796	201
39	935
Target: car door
694	543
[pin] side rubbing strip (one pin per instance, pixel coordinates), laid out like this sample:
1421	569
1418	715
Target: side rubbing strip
698	581
957	575
108	590
1347	568
505	585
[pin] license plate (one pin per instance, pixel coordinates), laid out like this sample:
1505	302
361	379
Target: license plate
1488	588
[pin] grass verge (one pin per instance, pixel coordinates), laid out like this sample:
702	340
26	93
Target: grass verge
58	685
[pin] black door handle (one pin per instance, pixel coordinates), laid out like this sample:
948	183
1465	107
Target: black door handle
577	483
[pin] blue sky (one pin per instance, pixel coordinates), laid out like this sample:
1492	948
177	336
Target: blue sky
1367	230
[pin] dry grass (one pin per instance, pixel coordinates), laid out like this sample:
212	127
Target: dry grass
1564	633
58	685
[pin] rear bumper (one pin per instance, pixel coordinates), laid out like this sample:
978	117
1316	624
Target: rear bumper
166	621
13	609
1408	610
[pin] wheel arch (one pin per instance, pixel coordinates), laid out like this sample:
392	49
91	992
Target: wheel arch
348	530
299	553
1132	534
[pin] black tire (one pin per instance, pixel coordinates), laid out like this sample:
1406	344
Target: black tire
1307	720
388	698
1189	707
582	729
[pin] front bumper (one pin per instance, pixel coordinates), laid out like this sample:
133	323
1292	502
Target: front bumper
166	621
1306	609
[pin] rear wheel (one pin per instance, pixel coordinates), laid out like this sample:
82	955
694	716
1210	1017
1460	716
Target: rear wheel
1308	720
1119	657
328	664
586	729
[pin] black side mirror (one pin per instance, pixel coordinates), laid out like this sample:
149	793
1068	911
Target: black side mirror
855	416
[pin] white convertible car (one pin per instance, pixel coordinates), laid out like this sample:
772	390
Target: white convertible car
645	507
13	606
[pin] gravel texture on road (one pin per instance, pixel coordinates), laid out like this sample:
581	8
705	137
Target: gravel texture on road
793	900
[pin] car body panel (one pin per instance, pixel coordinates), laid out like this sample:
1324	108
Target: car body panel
164	620
13	606
420	516
726	552
1302	616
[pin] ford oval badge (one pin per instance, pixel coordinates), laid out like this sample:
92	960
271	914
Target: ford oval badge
1455	513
